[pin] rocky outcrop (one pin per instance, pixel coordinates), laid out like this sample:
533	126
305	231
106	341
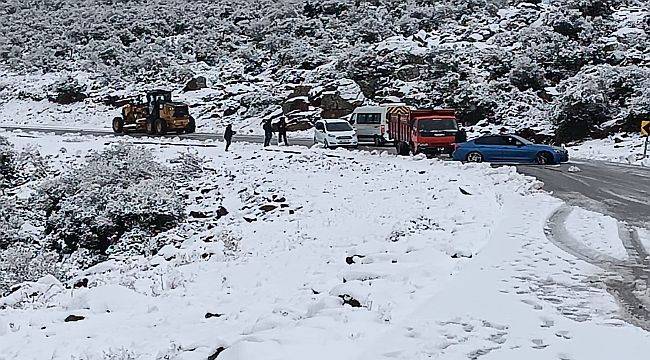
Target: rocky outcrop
196	83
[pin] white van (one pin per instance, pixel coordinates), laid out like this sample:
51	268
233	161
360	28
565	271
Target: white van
371	123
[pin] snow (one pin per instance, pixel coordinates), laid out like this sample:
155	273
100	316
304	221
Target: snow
436	273
597	231
622	148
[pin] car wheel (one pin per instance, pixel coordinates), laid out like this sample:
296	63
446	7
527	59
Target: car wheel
326	144
544	158
475	157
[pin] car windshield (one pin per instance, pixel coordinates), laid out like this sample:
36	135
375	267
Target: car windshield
338	126
180	111
437	124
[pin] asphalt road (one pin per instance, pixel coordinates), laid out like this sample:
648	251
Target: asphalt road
618	190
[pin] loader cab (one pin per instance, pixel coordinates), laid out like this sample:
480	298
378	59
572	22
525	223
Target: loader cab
156	99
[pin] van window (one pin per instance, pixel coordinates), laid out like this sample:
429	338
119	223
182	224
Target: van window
368	118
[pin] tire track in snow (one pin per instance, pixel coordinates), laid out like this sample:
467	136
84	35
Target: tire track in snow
627	280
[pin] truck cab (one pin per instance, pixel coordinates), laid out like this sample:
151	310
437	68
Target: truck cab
431	131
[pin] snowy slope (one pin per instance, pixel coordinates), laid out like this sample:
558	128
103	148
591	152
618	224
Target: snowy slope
365	256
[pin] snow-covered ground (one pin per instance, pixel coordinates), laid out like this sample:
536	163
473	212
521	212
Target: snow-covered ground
615	148
331	255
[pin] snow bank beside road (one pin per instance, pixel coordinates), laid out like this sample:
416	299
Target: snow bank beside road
330	254
615	148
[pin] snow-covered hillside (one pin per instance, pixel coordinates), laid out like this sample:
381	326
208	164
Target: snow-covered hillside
287	253
561	70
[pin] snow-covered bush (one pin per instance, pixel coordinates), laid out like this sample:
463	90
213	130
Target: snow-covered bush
600	98
24	262
10	223
112	192
19	167
67	90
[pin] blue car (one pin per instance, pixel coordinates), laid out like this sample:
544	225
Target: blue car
510	149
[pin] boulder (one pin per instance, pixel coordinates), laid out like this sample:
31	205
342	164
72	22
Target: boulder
408	73
300	103
196	83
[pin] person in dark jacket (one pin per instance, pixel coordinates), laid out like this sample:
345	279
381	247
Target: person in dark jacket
227	135
461	136
282	131
268	131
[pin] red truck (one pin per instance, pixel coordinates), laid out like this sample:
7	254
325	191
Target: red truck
423	131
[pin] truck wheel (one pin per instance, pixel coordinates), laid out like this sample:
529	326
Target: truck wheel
414	149
161	127
151	127
118	125
403	149
474	156
191	126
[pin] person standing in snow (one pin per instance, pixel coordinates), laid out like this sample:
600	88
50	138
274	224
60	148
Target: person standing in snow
282	131
227	135
461	136
268	131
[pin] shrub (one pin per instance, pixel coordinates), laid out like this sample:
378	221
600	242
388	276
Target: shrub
113	192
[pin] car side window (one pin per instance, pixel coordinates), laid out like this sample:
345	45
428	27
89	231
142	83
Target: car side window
509	140
319	126
489	140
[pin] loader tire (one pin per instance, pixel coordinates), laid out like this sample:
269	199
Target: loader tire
161	127
118	125
191	126
151	127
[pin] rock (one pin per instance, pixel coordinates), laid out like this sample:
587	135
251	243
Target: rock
72	318
408	73
195	84
347	299
334	106
198	214
216	353
463	191
81	283
279	199
351	259
300	103
249	219
221	211
268	207
209	315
